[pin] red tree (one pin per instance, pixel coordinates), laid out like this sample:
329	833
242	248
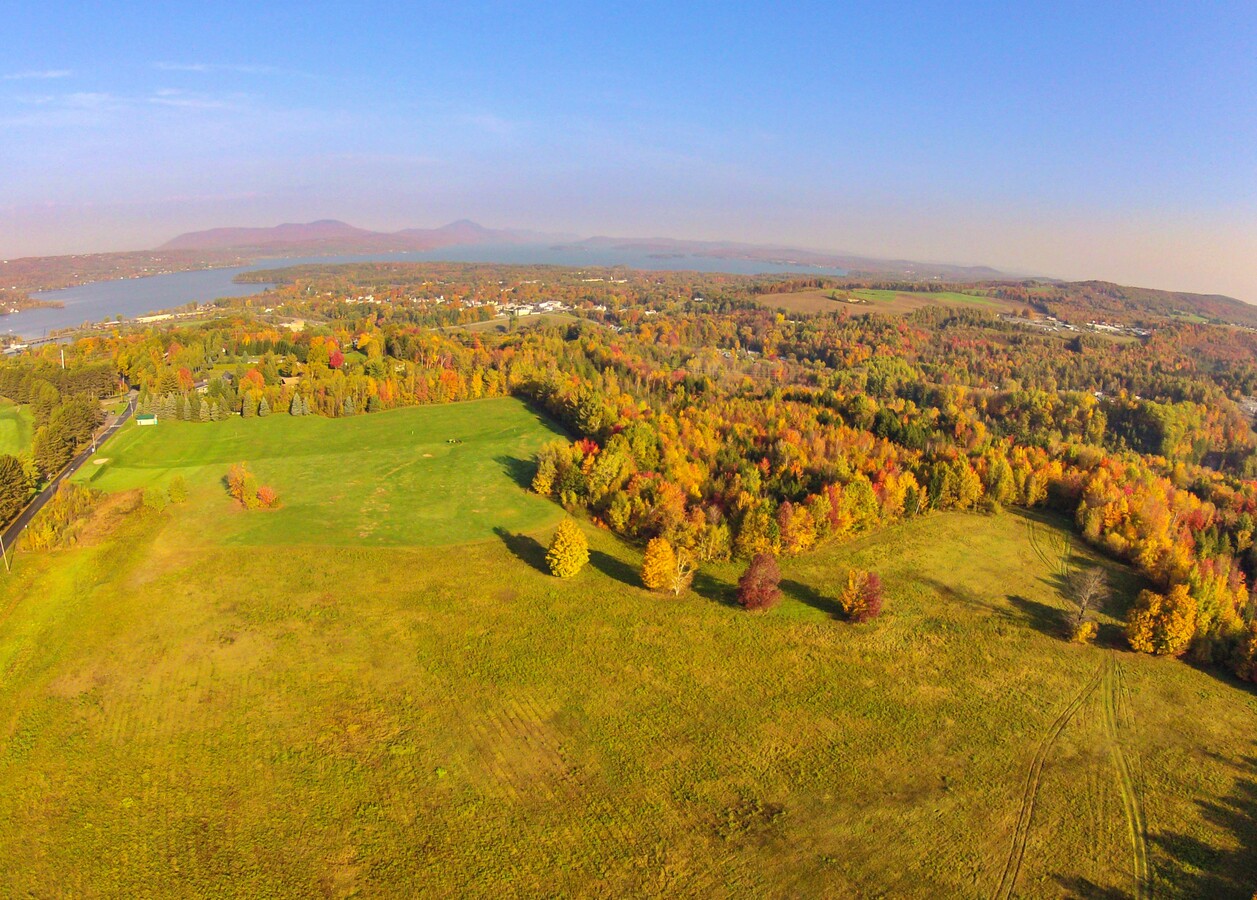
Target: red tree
336	360
869	599
757	588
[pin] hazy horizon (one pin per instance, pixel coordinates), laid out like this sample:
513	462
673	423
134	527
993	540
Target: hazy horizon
1076	142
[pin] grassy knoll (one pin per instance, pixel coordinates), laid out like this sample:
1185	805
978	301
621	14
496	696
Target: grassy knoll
889	302
502	324
382	721
17	427
390	478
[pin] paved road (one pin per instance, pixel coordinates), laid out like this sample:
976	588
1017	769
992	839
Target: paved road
19	524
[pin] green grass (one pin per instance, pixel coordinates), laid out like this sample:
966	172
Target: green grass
389	478
912	299
213	719
16	428
876	301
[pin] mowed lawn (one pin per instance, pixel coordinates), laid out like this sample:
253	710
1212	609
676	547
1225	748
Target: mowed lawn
224	720
17	428
420	476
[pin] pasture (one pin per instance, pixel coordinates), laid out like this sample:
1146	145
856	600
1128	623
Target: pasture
876	301
185	716
17	428
420	476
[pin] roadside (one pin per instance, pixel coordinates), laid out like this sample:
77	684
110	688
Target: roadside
8	539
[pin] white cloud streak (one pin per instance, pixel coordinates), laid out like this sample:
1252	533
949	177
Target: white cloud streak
41	75
207	68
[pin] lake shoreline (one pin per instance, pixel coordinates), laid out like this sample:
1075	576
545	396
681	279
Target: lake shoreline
131	297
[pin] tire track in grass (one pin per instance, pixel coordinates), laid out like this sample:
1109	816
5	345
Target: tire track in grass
1127	783
1012	868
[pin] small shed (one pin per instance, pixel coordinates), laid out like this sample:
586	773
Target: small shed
146	419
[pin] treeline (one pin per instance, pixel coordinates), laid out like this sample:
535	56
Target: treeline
65	407
733	431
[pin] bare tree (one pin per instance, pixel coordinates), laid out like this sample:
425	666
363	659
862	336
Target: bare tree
684	572
1087	588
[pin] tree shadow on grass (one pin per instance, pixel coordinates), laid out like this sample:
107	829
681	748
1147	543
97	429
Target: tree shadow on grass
613	568
1040	616
1201	870
525	548
1186	866
809	596
520	471
711	588
1086	889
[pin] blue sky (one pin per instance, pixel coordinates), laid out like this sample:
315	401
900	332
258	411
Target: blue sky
1093	139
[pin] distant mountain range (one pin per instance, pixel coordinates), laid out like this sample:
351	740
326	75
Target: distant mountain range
331	236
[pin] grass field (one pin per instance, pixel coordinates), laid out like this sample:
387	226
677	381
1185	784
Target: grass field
888	302
390	478
205	718
16	428
501	324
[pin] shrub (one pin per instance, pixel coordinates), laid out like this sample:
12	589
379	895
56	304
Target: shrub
154	500
1162	623
243	486
861	598
1084	632
569	551
758	586
178	490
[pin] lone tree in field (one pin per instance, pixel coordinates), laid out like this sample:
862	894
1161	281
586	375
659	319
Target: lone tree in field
1162	623
861	599
569	551
665	569
659	564
758	586
1087	589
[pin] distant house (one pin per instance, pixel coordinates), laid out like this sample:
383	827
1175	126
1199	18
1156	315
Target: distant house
146	419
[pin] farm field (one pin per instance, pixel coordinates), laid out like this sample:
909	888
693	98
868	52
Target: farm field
878	301
225	718
17	428
413	487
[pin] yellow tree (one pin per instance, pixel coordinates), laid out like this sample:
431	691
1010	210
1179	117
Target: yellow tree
1162	623
569	551
659	564
666	569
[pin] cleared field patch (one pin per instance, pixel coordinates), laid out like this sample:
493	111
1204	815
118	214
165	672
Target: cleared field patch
17	428
184	720
421	476
876	301
502	325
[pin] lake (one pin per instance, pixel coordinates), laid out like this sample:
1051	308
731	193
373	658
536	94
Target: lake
131	297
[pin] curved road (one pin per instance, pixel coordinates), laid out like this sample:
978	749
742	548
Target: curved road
18	525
